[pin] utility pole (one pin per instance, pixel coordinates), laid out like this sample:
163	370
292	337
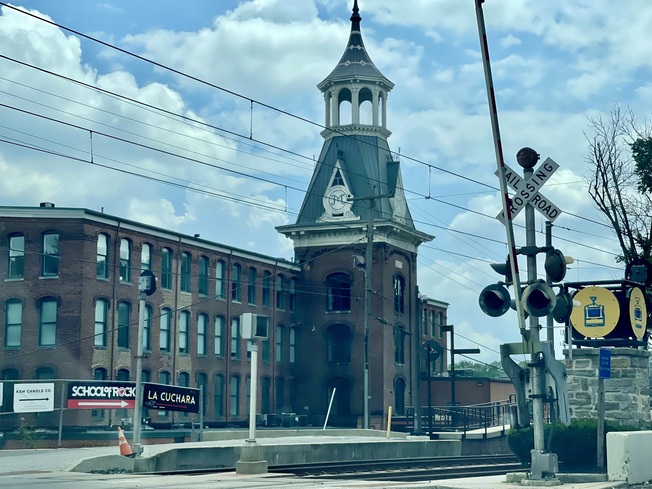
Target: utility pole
367	306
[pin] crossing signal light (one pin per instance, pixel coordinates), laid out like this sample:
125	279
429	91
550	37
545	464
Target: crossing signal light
555	265
503	269
538	299
563	308
494	300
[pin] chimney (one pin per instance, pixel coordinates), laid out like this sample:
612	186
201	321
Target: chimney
46	204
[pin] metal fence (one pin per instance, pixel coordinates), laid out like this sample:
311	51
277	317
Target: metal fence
39	414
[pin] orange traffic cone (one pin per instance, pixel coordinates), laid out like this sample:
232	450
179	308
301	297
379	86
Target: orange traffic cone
125	449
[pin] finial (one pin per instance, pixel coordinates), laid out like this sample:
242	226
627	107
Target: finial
356	12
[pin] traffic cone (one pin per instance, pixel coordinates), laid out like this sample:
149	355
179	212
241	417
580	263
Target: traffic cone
125	449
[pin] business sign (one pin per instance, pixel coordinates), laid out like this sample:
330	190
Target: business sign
637	312
170	398
604	367
598	313
101	395
34	397
527	191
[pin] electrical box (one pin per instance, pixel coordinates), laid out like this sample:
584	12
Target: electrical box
254	326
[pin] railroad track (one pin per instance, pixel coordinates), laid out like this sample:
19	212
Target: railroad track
407	470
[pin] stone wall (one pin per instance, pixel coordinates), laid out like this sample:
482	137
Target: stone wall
627	392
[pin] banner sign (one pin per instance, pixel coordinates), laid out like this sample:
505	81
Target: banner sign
34	398
170	398
101	395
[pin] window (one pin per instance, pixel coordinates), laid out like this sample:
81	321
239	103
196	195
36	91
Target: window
279	344
219	336
147	328
44	373
433	323
234	410
338	287
8	374
338	344
399	396
202	285
202	319
265	391
186	265
99	374
164	338
50	255
441	323
218	395
202	385
16	256
124	314
13	323
102	256
164	378
47	322
264	347
280	394
248	393
424	321
235	282
399	294
220	289
267	289
280	293
251	285
235	337
146	257
101	311
184	379
293	344
123	374
184	321
293	294
125	260
399	345
166	268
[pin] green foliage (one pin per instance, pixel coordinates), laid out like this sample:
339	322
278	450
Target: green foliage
29	436
492	370
642	154
576	445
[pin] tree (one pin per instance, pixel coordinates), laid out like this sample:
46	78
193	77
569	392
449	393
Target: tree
620	156
492	370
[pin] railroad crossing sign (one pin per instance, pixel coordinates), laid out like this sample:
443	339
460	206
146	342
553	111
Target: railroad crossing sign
527	191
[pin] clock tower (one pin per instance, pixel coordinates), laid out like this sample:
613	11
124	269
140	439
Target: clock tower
356	195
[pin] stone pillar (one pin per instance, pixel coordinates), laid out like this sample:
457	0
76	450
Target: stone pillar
627	392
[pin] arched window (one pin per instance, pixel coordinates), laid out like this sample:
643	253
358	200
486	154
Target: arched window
279	344
47	322
202	385
218	395
184	324
293	344
166	268
123	374
202	284
16	256
101	315
13	323
338	344
267	289
342	404
50	254
124	323
125	260
399	294
8	388
234	396
280	292
147	328
235	337
202	321
399	345
236	272
293	294
441	323
102	256
399	396
184	379
146	257
265	386
186	266
338	287
220	289
251	285
166	324
280	394
219	336
344	107
365	98
99	374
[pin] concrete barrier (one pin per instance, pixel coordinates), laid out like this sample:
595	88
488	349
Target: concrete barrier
628	456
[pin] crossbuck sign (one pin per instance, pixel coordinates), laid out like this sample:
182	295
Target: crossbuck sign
527	191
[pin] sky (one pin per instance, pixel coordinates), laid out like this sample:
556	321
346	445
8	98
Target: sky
204	117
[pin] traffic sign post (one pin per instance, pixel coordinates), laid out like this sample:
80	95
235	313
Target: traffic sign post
604	372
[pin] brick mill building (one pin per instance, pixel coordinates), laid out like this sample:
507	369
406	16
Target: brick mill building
69	288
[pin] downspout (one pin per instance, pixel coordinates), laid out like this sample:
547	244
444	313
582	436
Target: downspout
115	277
228	278
175	321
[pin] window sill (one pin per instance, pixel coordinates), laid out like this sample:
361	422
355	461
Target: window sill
48	277
14	279
344	311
